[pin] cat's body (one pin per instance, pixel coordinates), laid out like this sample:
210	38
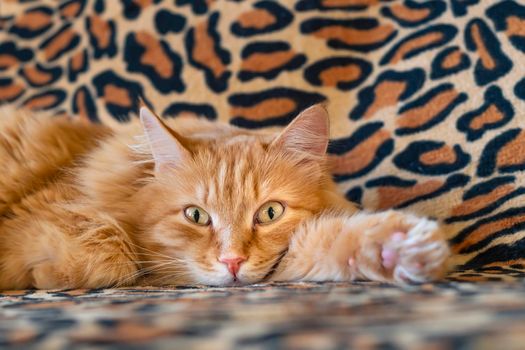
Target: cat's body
85	206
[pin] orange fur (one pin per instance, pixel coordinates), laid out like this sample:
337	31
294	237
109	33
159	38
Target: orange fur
88	206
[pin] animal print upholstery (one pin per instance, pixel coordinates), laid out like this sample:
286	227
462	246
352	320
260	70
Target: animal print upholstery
425	97
301	316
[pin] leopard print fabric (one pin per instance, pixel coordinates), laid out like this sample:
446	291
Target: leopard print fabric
426	98
303	316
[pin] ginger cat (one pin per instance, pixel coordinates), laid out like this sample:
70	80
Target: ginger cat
195	202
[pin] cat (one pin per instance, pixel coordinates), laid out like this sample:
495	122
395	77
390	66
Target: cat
191	202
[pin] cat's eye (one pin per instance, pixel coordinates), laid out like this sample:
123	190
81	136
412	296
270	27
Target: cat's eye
269	212
197	215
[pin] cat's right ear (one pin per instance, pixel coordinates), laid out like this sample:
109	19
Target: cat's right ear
165	146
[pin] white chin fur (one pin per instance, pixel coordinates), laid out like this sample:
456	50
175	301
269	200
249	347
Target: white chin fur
222	277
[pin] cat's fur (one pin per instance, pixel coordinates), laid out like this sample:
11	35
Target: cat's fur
91	206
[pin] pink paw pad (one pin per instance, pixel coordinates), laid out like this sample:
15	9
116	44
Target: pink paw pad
389	254
389	257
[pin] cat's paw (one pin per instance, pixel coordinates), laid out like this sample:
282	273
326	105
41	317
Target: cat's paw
47	275
53	275
405	249
418	255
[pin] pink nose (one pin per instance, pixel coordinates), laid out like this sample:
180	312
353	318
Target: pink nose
233	264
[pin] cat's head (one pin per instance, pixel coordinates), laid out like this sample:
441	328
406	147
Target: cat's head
223	208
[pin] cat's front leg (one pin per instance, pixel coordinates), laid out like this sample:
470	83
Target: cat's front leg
389	246
97	255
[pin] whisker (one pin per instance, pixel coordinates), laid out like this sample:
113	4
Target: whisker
151	251
139	262
174	258
161	280
129	277
140	272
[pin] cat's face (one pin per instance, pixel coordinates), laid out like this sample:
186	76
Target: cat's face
225	209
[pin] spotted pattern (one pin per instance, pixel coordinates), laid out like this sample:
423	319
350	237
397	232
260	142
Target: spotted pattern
204	52
360	34
425	97
268	59
412	13
509	17
32	23
492	63
145	54
274	316
495	112
450	61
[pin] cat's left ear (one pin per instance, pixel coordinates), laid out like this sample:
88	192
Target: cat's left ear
308	133
165	144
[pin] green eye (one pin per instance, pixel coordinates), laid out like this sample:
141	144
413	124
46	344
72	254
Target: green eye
197	215
269	212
